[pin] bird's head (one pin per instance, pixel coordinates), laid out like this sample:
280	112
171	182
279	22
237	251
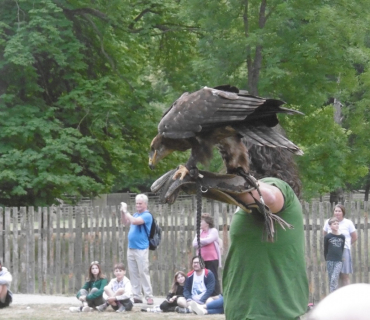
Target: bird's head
158	150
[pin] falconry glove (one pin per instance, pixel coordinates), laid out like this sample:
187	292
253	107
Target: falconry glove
221	187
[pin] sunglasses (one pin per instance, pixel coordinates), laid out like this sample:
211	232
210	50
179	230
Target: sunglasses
94	262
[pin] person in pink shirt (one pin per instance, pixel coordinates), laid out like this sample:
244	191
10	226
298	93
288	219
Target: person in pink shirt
210	247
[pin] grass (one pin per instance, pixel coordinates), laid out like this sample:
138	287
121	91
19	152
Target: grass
57	311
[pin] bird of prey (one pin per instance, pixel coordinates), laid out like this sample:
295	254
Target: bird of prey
223	116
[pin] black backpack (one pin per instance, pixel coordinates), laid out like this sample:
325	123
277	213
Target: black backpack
155	235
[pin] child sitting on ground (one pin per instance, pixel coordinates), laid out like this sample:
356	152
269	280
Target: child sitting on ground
91	294
118	291
177	289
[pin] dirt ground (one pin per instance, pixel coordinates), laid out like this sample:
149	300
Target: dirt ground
44	307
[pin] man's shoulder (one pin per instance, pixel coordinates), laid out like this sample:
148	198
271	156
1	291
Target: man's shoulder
208	272
190	273
143	214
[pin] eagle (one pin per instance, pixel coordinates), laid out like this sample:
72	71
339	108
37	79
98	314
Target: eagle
225	117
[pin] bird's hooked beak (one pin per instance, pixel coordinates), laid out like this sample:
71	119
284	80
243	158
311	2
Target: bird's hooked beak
152	159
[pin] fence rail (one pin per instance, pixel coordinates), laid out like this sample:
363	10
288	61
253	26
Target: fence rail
48	250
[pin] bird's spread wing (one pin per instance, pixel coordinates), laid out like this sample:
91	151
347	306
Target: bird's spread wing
209	108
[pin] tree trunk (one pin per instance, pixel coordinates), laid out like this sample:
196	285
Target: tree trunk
337	196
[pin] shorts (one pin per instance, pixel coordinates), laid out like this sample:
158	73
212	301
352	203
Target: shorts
347	262
8	300
126	303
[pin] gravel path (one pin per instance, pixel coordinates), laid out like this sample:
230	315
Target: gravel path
29	299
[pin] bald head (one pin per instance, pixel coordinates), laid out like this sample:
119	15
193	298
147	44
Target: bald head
347	303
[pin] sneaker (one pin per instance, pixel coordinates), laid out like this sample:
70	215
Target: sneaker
75	309
121	309
198	309
149	301
182	310
102	307
144	309
87	309
137	300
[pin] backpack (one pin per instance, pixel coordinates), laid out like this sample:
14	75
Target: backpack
155	235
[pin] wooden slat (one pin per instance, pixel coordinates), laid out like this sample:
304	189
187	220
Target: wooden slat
2	247
64	251
51	251
315	252
306	211
322	267
86	249
366	242
23	251
71	238
352	215
31	267
97	249
58	255
39	248
114	242
15	270
78	267
44	232
358	246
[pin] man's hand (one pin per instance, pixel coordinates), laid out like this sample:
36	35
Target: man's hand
124	212
123	207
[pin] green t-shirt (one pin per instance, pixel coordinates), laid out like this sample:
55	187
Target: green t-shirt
263	280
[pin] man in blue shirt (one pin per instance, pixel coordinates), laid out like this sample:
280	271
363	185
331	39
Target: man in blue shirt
138	248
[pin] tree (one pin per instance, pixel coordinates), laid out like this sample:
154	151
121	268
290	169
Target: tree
297	52
75	98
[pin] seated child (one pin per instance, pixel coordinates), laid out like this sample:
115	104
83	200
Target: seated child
118	291
91	294
170	304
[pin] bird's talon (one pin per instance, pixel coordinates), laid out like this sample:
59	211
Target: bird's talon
181	172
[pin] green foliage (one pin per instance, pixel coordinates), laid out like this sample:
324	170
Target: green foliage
84	84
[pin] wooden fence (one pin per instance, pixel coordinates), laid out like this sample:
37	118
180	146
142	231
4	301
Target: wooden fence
49	250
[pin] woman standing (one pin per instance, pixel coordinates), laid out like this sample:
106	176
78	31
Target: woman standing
91	294
347	228
210	247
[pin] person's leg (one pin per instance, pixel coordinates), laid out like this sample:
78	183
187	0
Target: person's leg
134	273
335	276
216	306
330	269
164	306
344	278
143	266
213	266
127	303
3	293
181	302
97	301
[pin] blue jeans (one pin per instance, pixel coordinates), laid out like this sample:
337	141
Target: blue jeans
216	306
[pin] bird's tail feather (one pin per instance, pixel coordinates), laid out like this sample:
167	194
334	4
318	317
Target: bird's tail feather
266	136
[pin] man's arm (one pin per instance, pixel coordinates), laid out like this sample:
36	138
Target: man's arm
211	283
353	237
272	196
127	218
187	288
